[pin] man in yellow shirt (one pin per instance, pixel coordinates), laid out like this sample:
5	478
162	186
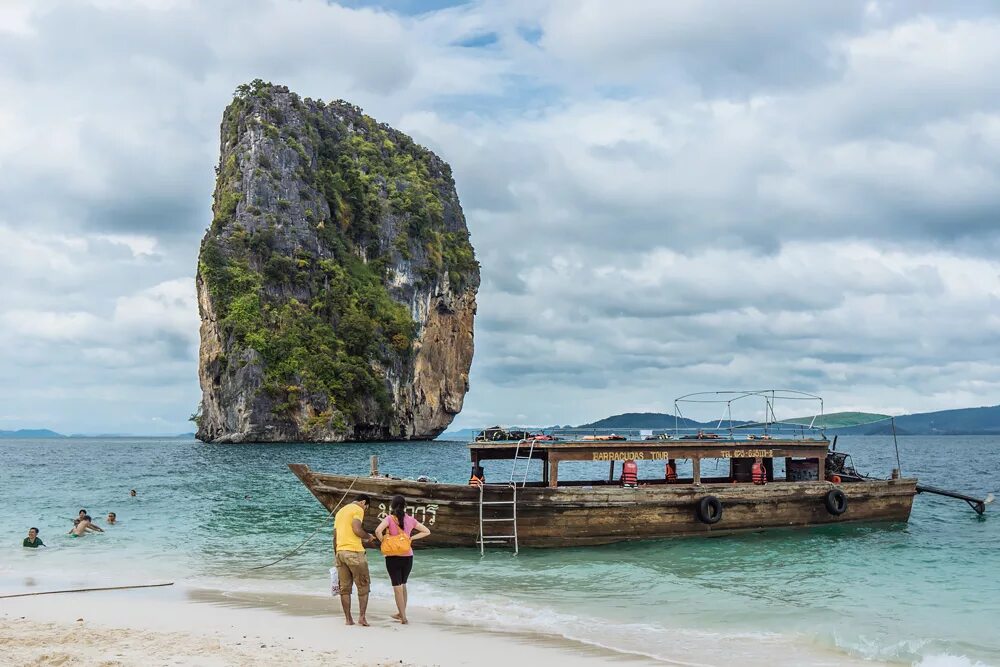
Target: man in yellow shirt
352	563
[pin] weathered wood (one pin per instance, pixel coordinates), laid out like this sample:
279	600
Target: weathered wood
576	515
373	471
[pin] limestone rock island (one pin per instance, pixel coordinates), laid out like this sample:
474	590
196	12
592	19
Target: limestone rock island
336	285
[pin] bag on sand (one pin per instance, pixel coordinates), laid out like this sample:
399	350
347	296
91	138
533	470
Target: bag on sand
398	544
334	583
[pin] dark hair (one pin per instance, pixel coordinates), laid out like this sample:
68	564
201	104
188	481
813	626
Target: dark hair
86	517
83	511
33	529
363	498
113	514
398	509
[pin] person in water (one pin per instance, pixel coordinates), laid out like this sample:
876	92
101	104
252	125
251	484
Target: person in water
84	524
132	493
399	566
32	541
112	518
350	538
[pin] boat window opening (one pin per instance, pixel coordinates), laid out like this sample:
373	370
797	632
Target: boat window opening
802	470
715	470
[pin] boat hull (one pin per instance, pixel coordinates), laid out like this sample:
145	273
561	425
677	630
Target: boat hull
568	516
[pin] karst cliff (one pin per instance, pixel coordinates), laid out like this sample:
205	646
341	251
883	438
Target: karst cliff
336	284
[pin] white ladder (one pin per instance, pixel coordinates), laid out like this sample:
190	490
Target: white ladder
498	538
527	463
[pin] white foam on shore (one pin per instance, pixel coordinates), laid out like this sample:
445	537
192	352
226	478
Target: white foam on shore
945	660
691	647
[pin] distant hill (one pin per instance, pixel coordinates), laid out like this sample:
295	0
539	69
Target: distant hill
460	434
26	433
645	420
964	421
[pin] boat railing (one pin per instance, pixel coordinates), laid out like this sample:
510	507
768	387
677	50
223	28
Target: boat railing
637	434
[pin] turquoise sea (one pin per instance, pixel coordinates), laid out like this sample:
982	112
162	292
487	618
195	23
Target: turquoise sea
924	593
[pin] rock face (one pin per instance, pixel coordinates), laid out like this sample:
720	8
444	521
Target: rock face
336	285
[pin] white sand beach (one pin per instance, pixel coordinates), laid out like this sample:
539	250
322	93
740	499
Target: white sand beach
178	626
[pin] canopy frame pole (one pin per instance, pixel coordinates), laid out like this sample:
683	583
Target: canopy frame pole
892	420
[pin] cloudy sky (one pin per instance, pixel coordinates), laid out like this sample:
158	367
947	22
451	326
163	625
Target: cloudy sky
665	196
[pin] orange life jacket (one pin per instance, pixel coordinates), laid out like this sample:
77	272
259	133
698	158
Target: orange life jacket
759	473
476	481
630	473
671	471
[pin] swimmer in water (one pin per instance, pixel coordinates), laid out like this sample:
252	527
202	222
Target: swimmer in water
32	541
132	493
112	518
81	528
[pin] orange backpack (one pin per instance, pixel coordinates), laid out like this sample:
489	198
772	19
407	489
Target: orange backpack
398	544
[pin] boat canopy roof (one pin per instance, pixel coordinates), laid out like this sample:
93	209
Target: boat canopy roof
679	448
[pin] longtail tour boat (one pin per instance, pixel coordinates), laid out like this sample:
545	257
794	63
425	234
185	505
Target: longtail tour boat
738	476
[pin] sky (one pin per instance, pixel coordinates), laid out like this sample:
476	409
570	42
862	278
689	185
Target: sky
665	197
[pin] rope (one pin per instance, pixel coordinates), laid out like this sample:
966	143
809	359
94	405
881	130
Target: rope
306	541
86	590
896	443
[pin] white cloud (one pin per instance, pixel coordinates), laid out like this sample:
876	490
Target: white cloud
665	196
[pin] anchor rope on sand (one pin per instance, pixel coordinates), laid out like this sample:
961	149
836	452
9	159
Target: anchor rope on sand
86	590
318	528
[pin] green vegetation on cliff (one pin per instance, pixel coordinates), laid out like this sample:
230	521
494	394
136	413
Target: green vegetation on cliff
316	307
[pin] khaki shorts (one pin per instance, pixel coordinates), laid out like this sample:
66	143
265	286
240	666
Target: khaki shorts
352	568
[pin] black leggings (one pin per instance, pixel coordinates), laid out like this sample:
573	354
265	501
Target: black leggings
398	568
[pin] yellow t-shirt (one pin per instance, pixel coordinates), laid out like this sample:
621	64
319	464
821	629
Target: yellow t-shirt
346	539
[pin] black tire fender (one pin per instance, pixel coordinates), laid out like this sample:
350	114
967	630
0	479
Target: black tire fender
835	501
709	510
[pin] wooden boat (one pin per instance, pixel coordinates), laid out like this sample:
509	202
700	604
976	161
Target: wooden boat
554	513
818	484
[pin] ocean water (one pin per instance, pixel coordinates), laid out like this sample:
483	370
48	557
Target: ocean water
927	592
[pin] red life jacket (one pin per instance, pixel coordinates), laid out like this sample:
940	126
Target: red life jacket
630	473
671	471
475	481
759	473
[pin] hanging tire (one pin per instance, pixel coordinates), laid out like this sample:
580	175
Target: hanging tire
835	501
709	510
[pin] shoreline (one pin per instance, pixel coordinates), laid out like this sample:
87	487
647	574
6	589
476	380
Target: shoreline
199	625
215	627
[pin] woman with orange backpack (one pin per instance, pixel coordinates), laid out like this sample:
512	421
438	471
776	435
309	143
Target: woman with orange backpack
397	532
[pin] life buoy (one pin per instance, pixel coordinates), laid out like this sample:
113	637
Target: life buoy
835	479
709	510
630	473
835	501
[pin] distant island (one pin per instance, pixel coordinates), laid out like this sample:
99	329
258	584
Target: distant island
47	434
26	433
962	421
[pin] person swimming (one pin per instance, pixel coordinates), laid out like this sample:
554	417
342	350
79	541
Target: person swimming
112	518
32	541
81	526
